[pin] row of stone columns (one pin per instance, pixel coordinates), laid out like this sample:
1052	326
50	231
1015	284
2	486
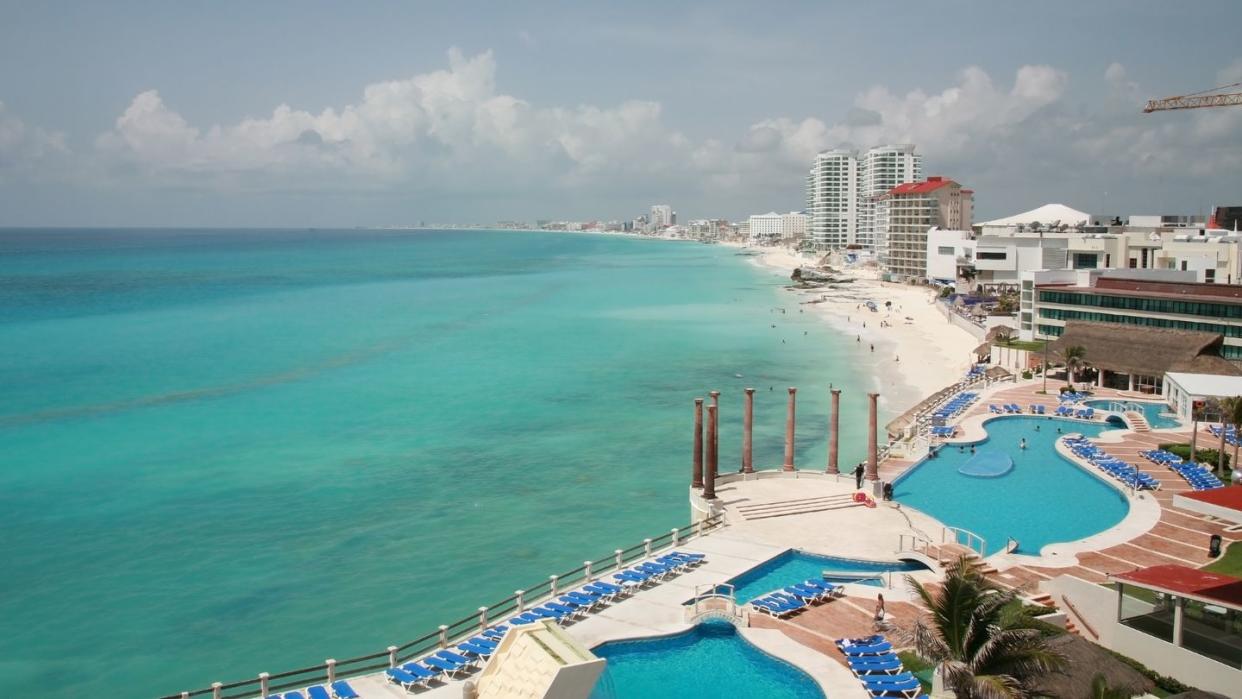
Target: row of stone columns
707	446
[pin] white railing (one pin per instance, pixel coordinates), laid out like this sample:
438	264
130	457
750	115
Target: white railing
714	600
973	541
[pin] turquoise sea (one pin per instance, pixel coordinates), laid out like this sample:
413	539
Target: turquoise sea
226	452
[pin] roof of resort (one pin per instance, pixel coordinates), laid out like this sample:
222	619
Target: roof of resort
1143	350
1151	289
1044	214
1208	384
931	184
1185	581
1223	503
1085	661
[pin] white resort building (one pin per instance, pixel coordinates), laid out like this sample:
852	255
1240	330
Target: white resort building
844	188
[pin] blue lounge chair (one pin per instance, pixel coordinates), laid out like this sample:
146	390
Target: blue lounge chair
317	692
873	649
480	652
564	610
885	664
454	657
403	678
525	618
485	642
295	694
907	687
450	667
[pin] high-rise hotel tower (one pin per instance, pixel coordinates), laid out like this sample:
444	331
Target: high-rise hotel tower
843	188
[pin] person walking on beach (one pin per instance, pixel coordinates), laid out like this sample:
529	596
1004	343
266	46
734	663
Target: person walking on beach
858	475
879	608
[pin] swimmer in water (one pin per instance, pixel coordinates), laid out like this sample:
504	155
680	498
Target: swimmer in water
1022	443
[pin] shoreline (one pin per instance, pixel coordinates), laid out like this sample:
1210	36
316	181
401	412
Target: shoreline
936	352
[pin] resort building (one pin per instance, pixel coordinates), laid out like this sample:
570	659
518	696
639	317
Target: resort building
1134	358
908	212
1057	237
769	228
844	189
1182	390
832	199
1144	301
662	215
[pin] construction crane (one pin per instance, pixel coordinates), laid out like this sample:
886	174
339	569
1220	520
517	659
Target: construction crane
1195	100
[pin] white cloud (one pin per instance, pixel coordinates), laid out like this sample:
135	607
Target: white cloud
437	122
453	131
28	151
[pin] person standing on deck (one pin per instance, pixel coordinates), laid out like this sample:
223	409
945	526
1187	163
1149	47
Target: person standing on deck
858	476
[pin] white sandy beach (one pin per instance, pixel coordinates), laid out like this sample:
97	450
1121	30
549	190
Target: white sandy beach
917	350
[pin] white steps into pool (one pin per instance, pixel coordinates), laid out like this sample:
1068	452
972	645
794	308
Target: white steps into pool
1137	421
801	506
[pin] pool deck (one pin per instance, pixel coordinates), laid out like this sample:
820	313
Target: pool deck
770	511
1161	534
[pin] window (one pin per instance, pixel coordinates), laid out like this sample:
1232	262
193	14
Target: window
944	250
992	255
1209	276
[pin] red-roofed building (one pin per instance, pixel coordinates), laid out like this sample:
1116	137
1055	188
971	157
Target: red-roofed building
908	211
1189	608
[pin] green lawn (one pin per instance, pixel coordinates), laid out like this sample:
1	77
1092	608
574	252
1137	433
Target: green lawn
1032	345
1229	563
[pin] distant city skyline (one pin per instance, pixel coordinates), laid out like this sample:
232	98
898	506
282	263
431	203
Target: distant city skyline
312	114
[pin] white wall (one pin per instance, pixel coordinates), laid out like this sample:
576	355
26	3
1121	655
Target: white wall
1098	605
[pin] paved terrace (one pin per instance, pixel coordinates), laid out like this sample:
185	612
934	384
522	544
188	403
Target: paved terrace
1175	536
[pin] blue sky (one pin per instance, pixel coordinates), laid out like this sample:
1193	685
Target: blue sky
326	114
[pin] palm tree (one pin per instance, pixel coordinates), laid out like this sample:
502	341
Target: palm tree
1101	690
962	633
1232	415
1074	357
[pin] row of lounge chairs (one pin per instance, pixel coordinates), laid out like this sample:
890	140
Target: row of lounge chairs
874	663
569	606
956	405
339	689
1231	433
1196	475
1080	413
945	431
1074	397
1118	469
795	598
1014	409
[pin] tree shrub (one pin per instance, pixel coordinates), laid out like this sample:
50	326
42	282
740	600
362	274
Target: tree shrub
1203	456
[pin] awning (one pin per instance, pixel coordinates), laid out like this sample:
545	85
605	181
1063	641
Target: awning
1184	581
1223	503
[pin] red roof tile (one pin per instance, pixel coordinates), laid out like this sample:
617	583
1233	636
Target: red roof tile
931	184
1187	581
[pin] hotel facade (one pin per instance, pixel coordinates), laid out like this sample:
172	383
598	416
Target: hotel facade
844	189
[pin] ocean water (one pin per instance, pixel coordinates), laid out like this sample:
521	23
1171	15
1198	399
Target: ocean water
227	452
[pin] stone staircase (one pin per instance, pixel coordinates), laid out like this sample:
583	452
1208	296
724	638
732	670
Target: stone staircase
1138	422
1046	600
802	506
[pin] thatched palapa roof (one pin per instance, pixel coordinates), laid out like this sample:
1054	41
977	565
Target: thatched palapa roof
1133	349
1085	660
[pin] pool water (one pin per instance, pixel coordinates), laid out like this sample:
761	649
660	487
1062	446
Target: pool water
710	661
1151	411
1045	499
794	566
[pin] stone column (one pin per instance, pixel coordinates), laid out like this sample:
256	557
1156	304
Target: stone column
748	422
713	446
696	474
789	431
872	473
715	396
834	432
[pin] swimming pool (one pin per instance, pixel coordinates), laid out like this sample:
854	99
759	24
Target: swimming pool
794	566
1045	499
709	661
1151	412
